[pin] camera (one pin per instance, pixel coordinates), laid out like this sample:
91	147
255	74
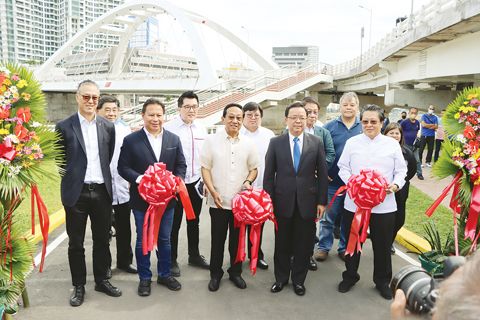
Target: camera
420	288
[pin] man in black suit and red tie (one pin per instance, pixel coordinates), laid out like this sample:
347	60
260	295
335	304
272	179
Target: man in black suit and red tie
141	149
88	142
296	179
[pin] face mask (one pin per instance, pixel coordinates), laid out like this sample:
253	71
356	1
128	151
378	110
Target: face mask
413	116
404	116
430	111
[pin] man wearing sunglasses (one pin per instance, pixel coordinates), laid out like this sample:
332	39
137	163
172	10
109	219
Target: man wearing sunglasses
88	143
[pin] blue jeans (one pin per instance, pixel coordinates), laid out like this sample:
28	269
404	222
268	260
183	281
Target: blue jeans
327	223
163	246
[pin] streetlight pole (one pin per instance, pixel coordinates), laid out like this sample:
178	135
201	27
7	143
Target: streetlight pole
362	32
370	27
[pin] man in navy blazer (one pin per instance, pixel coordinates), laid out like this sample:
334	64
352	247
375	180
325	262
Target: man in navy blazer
296	179
88	142
141	149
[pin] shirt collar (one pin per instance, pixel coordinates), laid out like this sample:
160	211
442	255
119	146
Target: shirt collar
300	137
357	120
179	122
224	134
151	135
82	119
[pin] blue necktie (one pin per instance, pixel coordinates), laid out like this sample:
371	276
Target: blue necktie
296	154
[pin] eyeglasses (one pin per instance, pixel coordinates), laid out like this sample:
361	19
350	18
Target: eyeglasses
297	118
252	115
194	107
372	122
86	98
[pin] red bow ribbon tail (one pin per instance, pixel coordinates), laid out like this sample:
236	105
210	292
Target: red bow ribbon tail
473	214
255	231
365	223
42	218
353	238
241	243
445	192
338	193
185	199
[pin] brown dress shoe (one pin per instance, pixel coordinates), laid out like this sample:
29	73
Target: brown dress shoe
320	255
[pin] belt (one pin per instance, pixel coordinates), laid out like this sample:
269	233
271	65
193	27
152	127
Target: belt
92	186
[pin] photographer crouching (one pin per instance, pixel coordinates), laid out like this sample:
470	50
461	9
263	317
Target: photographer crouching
457	296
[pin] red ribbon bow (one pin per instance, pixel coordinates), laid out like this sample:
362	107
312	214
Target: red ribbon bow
367	190
157	187
251	207
7	151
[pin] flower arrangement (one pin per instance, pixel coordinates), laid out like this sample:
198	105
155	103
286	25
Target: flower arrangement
460	158
28	150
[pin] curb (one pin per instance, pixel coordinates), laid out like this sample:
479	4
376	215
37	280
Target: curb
56	220
412	241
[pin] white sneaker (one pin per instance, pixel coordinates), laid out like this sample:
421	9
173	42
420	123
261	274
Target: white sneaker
429	165
423	166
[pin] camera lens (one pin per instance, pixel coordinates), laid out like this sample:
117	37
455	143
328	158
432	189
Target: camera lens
416	283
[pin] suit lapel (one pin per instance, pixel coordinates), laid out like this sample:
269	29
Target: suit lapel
100	138
77	129
289	153
164	145
306	145
149	147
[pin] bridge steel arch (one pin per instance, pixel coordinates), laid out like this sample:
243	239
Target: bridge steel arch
140	10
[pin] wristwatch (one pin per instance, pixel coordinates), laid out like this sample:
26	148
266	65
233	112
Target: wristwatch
250	182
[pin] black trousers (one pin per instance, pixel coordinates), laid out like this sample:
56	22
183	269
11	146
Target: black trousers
95	202
221	222
123	234
294	238
260	252
381	231
429	142
401	197
438	146
192	225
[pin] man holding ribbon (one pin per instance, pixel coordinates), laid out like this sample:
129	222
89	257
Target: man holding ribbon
229	164
372	151
296	178
141	149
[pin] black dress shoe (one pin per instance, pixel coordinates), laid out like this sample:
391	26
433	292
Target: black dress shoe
106	287
144	288
385	291
238	282
345	286
128	269
262	264
277	287
312	265
299	289
214	284
77	297
109	274
198	261
169	282
175	269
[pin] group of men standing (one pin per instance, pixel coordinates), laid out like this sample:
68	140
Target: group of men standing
105	162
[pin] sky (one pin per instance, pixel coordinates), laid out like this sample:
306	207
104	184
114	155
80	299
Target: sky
332	25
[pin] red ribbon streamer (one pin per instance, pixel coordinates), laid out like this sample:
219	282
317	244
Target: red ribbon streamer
367	190
157	187
473	213
43	219
454	202
251	207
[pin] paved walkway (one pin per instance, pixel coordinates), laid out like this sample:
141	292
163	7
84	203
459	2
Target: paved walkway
432	185
49	291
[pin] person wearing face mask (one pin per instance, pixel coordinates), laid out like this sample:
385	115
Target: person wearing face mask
402	117
410	131
429	123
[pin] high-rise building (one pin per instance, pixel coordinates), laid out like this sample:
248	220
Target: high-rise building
32	30
295	56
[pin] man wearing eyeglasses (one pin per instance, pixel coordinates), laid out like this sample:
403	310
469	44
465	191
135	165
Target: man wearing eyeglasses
192	135
296	179
252	128
88	144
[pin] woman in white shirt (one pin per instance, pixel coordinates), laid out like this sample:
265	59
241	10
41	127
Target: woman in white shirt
372	150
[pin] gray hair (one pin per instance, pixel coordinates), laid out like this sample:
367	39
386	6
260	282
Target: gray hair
87	82
349	96
460	293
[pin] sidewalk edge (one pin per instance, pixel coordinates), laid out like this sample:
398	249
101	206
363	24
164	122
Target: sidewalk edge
412	241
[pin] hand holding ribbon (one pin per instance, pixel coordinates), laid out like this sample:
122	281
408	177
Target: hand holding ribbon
251	207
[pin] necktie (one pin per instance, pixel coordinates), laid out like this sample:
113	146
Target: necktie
296	154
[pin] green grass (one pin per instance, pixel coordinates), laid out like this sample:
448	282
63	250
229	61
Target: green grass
417	203
50	192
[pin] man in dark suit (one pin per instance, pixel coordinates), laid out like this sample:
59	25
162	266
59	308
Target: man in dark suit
140	150
88	142
297	182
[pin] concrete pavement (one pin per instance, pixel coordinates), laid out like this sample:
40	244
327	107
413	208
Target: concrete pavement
49	291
